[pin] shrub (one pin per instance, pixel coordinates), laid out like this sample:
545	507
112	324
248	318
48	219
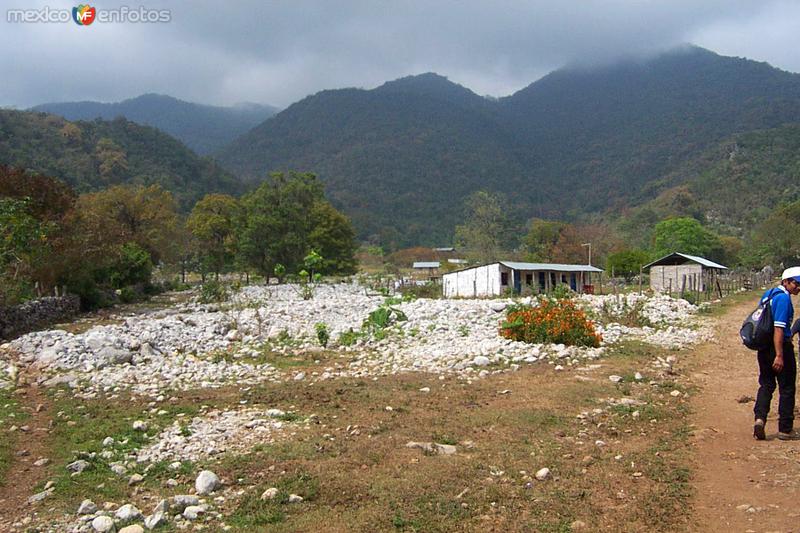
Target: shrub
562	291
428	290
625	313
213	291
348	338
557	321
132	266
323	336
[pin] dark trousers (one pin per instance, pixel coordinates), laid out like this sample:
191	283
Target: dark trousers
786	379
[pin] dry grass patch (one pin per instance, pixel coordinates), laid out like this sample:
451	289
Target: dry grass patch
361	476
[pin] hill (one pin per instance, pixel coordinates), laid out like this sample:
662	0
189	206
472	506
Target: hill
574	143
97	154
397	158
203	128
736	183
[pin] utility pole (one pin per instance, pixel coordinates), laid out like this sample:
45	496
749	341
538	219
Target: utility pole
590	251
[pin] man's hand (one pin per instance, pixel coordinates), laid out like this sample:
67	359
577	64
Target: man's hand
777	342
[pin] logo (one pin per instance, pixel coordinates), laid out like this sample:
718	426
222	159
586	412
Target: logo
83	15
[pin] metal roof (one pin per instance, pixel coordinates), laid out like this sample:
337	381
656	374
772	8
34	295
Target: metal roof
514	265
426	264
677	258
556	267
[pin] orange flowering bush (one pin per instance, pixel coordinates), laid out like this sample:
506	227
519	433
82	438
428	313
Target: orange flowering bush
557	321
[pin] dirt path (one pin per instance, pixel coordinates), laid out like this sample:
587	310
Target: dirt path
31	445
742	484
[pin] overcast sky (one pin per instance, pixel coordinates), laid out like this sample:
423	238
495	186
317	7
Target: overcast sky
277	52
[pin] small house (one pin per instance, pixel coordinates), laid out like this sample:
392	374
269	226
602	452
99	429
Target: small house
428	269
679	272
495	279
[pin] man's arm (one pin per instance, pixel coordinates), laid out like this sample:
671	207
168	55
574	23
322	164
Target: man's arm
777	340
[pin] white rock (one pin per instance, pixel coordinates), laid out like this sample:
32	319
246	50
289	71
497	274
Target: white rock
103	524
154	520
206	482
481	360
182	501
294	498
269	494
87	507
140	425
108	441
128	512
193	511
133	528
615	378
543	473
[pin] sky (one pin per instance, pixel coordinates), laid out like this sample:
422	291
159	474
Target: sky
279	51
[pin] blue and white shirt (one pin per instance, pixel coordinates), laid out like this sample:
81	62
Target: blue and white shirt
782	309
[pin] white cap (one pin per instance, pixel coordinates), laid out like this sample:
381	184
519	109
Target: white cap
791	273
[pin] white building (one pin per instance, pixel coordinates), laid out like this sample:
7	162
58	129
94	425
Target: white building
496	278
679	272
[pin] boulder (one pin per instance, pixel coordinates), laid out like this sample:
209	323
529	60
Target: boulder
206	482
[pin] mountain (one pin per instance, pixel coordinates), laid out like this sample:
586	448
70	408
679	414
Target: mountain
97	154
397	158
401	158
736	183
203	128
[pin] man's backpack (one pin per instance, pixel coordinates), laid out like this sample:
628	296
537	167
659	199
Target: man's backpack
757	329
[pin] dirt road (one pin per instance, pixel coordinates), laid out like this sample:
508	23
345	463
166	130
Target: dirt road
742	484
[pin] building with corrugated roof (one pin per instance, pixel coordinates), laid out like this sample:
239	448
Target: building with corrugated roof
498	278
677	272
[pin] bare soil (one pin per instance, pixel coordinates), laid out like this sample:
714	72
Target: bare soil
741	484
22	477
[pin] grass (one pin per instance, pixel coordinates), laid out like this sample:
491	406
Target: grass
80	429
369	481
11	414
355	473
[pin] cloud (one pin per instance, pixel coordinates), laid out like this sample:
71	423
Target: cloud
278	51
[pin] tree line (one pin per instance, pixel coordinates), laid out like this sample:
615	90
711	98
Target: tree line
623	245
109	242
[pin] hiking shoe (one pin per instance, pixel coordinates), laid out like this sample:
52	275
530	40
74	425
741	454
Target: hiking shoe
787	436
758	430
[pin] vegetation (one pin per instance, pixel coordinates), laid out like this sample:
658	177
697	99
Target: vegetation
552	320
105	245
202	128
90	156
401	159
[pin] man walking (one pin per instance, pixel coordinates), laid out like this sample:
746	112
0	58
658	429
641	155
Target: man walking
777	362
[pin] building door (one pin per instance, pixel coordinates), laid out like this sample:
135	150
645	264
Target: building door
573	284
517	281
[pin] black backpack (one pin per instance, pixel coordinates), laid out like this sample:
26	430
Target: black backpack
757	329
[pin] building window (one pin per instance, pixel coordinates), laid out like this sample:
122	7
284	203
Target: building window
528	279
503	278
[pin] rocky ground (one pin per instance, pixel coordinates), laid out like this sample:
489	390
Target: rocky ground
201	346
160	354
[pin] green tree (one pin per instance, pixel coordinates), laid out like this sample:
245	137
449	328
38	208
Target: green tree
542	237
332	235
485	228
627	262
213	226
285	218
113	217
688	236
774	240
23	243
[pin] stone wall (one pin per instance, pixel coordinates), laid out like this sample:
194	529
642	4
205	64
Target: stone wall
35	314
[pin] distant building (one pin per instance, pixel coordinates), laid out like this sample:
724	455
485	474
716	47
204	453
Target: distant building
496	278
679	272
429	269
